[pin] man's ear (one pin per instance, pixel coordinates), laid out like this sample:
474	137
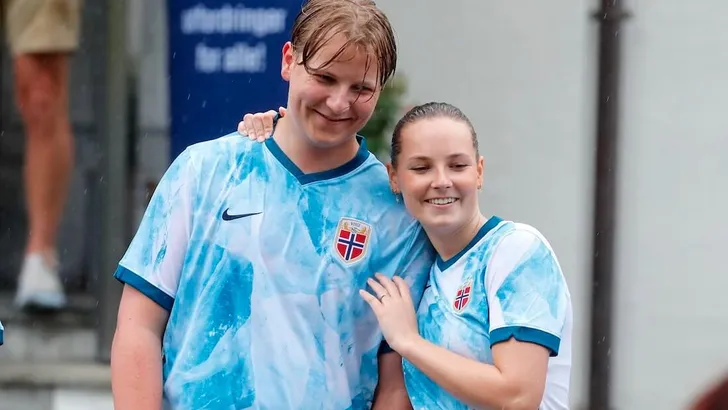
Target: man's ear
287	61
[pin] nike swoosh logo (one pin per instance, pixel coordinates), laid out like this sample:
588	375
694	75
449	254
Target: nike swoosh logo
227	217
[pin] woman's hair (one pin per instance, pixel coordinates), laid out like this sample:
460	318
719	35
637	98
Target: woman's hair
361	22
428	111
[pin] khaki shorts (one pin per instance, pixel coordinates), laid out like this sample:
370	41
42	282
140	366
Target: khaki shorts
42	26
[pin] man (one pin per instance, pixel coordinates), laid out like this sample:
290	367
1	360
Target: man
42	34
246	269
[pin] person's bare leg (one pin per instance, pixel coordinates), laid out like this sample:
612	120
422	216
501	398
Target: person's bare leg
42	97
49	143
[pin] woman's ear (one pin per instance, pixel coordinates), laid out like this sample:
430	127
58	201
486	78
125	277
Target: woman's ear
481	170
393	178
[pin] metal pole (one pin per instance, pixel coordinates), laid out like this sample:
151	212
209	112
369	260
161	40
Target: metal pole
609	18
113	180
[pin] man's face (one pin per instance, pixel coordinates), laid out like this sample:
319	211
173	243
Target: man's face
331	102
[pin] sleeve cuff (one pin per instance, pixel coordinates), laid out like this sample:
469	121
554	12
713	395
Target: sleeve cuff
384	348
526	334
130	278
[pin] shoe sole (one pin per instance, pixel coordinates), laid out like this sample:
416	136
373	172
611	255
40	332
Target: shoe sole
42	302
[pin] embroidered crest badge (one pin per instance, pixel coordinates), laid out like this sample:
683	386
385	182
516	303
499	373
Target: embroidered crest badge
463	296
352	240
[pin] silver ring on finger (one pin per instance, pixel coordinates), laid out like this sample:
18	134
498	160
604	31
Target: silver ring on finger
382	297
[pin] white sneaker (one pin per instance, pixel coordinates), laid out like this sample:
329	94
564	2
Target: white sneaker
39	284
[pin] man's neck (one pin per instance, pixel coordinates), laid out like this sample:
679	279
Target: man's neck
308	158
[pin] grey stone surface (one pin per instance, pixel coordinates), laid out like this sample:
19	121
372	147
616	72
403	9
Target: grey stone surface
49	375
68	336
82	399
25	399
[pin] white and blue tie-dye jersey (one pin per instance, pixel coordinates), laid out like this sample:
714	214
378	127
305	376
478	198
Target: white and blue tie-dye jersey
260	266
507	283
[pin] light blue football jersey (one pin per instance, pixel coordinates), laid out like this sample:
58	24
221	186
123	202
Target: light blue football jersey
260	266
506	283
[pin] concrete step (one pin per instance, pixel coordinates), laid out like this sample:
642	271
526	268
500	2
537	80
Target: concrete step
48	361
55	399
68	336
51	375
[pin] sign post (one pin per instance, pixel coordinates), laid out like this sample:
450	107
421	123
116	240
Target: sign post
224	61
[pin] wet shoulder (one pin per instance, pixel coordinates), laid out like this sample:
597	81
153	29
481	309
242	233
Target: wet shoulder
520	252
229	159
512	241
517	235
228	151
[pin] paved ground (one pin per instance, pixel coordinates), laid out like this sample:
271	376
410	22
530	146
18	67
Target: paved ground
67	399
49	362
55	399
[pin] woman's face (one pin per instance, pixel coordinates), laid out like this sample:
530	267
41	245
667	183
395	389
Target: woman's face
439	173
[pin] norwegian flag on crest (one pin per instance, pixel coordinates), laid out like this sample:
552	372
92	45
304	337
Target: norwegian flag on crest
352	238
463	296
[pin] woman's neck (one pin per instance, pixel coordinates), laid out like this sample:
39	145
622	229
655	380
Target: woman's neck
449	244
307	157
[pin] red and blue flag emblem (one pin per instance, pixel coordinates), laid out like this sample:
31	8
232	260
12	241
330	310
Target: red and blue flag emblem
352	239
463	296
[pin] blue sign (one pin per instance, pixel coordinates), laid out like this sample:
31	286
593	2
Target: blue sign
224	61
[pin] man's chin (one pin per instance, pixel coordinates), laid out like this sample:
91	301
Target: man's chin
327	139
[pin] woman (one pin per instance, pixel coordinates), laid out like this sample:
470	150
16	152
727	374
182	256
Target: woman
494	325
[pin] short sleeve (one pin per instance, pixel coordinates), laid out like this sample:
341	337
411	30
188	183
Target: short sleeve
2	331
528	297
153	262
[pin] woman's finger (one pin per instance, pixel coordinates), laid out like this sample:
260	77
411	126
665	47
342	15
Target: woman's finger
387	283
403	288
372	301
259	126
378	289
248	126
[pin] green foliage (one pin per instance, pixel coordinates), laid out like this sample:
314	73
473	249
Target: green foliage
386	114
